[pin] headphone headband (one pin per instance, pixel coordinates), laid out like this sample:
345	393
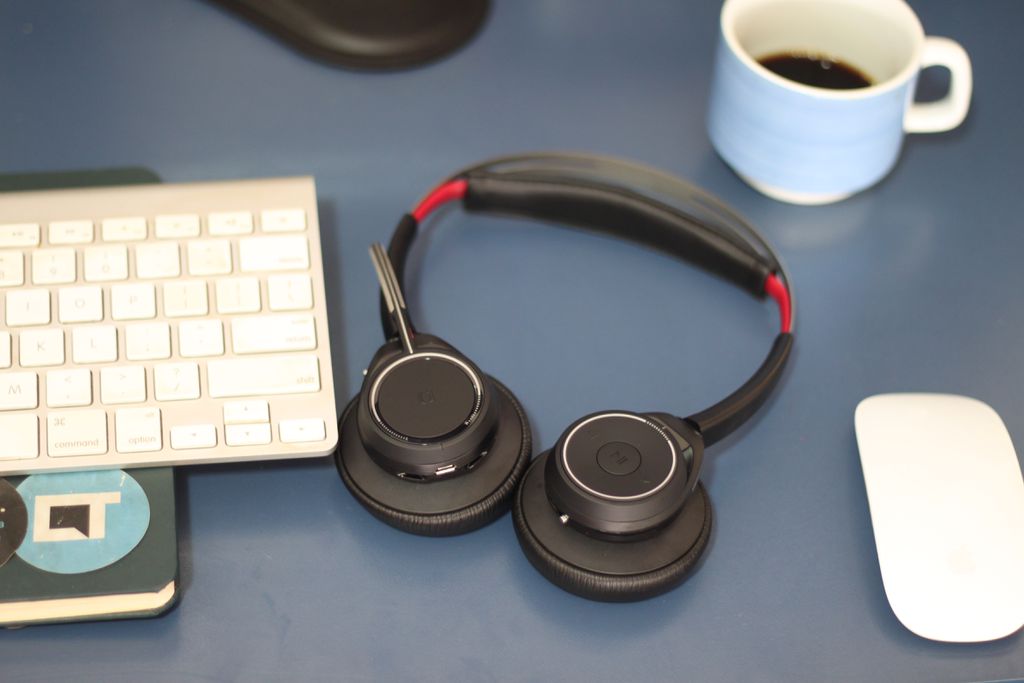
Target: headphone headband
599	194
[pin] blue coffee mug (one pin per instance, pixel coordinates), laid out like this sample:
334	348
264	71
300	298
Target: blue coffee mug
812	145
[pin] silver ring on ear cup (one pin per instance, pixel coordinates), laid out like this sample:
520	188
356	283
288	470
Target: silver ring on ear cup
446	507
607	570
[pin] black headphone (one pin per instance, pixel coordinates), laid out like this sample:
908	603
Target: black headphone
615	510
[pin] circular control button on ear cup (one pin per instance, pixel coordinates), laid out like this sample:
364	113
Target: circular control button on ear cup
445	506
599	569
426	396
618	473
618	456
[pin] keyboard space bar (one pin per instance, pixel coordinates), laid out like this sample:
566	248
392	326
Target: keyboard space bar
264	375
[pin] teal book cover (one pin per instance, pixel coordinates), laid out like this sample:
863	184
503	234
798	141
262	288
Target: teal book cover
87	545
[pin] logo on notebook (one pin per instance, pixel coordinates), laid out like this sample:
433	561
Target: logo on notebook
81	521
13	521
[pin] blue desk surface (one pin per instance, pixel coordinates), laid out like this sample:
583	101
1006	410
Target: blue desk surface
913	285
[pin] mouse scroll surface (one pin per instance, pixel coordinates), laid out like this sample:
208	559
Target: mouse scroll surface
946	498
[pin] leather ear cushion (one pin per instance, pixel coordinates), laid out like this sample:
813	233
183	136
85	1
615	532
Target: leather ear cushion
610	571
452	506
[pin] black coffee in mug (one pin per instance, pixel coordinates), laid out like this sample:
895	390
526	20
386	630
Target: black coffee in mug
815	70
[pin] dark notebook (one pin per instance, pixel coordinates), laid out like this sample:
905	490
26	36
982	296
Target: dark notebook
86	545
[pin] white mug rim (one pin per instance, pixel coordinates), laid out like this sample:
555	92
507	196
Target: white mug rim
727	26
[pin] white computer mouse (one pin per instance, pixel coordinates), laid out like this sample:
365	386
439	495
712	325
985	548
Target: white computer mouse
947	506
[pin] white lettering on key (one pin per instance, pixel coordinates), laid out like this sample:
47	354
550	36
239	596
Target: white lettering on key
283	220
185	298
238	295
53	266
106	263
147	341
290	252
18	390
94	344
138	430
233	377
158	260
19	235
134	301
12	269
188	437
302	431
130	229
28	307
176	381
41	347
76	432
80	304
68	388
270	333
71	232
230	223
123	385
209	257
247	435
290	292
177	226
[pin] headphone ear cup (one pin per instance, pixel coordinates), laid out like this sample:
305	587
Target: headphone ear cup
455	505
608	570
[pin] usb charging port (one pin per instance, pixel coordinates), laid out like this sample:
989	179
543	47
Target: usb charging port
447	469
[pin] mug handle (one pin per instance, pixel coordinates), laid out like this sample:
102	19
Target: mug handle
950	111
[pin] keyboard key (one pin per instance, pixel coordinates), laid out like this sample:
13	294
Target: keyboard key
19	235
237	377
94	344
289	252
147	341
290	292
301	431
21	437
247	435
132	302
158	260
76	432
188	437
123	385
5	349
41	347
80	304
270	333
18	390
12	269
186	298
138	430
176	381
246	412
124	229
230	223
28	307
200	338
71	232
209	257
283	220
68	388
238	295
53	266
106	263
177	226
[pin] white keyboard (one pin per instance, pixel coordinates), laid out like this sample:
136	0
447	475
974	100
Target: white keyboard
163	325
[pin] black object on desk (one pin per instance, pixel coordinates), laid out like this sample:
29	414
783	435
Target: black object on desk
369	34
